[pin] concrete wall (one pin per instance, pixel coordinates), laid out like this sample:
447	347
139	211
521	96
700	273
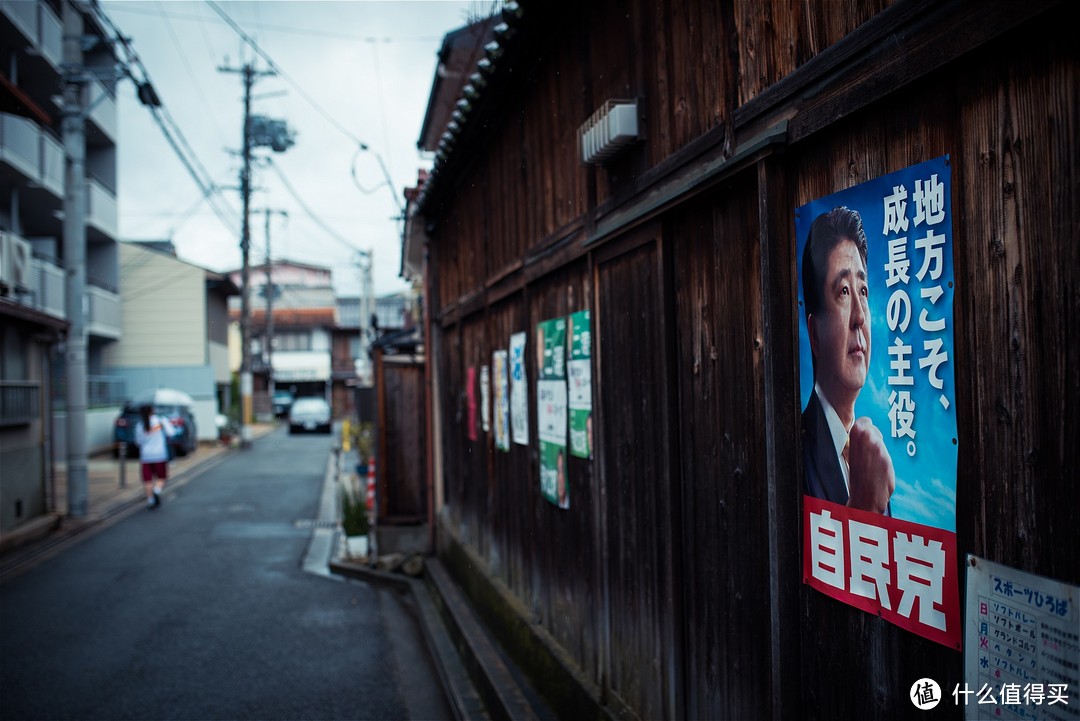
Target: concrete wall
99	431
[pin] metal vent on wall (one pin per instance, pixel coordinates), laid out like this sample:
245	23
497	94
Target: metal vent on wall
608	131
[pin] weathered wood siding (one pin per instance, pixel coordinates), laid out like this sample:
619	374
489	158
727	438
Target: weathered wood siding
402	471
674	580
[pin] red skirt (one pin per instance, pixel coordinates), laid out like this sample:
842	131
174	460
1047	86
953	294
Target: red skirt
150	470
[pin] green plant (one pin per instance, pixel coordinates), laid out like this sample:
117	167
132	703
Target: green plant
363	440
354	517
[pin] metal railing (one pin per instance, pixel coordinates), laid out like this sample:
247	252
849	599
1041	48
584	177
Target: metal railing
101	391
19	402
104	391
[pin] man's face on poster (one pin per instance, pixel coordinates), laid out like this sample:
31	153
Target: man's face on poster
840	330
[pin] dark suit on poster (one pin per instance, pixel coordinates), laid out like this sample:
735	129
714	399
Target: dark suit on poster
821	467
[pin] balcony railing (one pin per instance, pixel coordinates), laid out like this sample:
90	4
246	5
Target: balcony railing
101	391
20	145
104	319
51	36
52	165
25	17
19	402
49	287
34	154
105	391
101	208
103	108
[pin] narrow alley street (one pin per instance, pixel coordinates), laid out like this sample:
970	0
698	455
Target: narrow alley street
202	609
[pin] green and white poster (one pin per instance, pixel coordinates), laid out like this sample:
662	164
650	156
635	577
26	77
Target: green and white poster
579	375
551	409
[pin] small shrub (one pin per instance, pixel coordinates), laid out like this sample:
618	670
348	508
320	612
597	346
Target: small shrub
354	517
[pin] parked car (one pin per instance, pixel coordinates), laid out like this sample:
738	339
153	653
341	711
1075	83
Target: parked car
282	402
175	405
309	414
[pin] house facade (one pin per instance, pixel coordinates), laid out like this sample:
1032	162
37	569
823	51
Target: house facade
33	314
650	161
299	316
175	330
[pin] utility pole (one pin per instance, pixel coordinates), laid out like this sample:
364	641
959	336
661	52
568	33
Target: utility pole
74	136
249	75
366	303
270	289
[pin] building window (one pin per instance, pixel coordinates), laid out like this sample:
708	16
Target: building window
292	341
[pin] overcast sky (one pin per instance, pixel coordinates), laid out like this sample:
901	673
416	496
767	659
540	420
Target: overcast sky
352	70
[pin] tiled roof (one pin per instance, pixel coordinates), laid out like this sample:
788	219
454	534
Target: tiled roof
477	102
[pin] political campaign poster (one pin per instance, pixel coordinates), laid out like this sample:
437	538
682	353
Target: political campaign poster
551	410
879	441
579	381
519	390
500	369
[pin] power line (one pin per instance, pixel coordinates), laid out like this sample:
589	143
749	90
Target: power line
273	66
304	206
311	101
385	40
173	135
187	67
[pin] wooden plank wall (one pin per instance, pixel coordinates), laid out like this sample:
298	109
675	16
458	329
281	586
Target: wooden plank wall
721	435
402	441
673	582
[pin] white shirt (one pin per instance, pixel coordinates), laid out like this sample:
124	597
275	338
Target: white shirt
837	430
152	442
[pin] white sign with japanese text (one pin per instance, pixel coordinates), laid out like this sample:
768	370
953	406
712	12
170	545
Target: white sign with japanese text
1021	645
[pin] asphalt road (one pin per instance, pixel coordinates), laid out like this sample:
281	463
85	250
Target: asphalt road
201	610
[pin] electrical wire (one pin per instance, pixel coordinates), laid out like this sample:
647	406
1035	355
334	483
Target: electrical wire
273	66
133	8
187	66
311	101
304	206
173	135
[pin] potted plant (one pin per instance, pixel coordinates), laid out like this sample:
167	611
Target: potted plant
354	521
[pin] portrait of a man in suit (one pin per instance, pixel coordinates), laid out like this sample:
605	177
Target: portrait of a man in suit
845	459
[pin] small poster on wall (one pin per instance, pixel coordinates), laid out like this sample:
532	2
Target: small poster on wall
519	390
500	369
579	371
551	410
485	399
470	402
1021	644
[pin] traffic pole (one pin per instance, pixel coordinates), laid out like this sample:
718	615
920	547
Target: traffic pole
371	487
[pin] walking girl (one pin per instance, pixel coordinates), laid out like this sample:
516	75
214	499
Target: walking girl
152	435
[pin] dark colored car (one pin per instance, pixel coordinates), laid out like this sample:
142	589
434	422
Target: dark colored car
174	405
282	402
310	414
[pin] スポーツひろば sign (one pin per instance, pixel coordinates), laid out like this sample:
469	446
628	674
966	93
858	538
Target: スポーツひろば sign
877	392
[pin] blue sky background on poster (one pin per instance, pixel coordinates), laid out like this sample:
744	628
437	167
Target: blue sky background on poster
926	482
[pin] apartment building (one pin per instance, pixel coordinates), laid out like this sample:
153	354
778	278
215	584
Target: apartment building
32	264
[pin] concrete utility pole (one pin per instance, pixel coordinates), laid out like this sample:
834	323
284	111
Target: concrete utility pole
270	288
366	303
74	136
249	74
